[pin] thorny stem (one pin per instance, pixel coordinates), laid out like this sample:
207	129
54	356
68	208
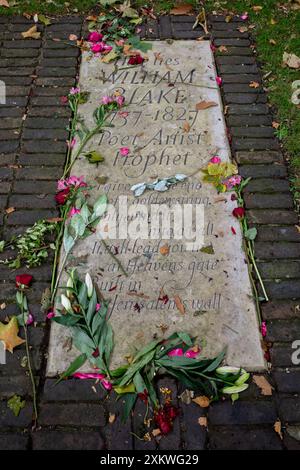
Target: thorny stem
114	257
33	385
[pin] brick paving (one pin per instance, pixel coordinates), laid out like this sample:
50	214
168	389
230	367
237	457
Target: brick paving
72	415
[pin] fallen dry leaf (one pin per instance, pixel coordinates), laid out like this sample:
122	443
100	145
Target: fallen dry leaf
277	428
205	105
254	85
186	126
291	60
3	306
112	418
257	8
228	18
156	432
202	421
179	304
202	401
273	42
263	384
275	124
183	9
243	29
9	210
164	250
222	49
73	37
31	33
4	3
53	220
9	334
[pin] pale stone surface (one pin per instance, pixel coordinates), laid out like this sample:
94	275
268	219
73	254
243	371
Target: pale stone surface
215	288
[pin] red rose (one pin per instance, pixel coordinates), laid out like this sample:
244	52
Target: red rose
165	427
23	280
171	411
136	59
238	212
62	196
144	396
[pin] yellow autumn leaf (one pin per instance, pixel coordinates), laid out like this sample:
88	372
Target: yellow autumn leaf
9	334
112	55
31	33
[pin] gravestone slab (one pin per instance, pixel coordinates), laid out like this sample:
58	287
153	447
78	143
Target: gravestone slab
166	135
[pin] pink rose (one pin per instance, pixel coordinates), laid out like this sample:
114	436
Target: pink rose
94	36
124	151
175	352
215	160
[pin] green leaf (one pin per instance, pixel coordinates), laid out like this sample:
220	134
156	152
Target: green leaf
91	308
106	3
2	245
251	233
94	157
129	400
78	225
139	383
109	343
68	241
67	320
43	19
82	296
149	347
209	249
185	338
73	367
15	404
234	397
215	362
83	342
138	44
100	206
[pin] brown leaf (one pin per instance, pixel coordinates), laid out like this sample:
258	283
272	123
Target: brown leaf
202	421
53	220
156	432
164	250
277	428
73	37
273	42
243	29
263	384
228	18
179	304
4	3
112	418
9	210
202	401
291	60
186	126
205	105
275	124
183	9
254	85
257	8
222	49
31	33
3	306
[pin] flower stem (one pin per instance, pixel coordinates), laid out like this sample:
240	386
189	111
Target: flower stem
114	257
33	385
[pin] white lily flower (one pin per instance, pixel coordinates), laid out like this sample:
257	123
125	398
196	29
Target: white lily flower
66	303
89	285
